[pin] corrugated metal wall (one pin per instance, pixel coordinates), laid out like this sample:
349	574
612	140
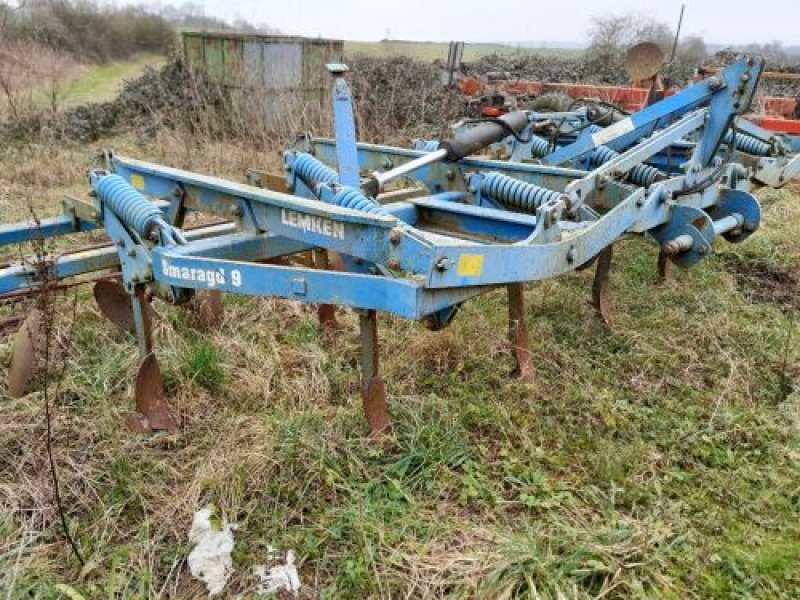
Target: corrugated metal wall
275	65
287	72
276	62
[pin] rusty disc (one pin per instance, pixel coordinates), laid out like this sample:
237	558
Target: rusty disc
643	60
206	310
151	401
25	353
115	303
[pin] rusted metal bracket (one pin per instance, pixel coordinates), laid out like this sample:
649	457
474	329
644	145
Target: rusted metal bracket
664	267
600	292
518	333
373	389
326	313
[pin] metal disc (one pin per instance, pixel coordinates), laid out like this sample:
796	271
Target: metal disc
25	353
643	60
151	401
115	303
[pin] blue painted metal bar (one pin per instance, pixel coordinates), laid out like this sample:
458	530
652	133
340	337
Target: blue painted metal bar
345	127
65	224
440	177
25	231
404	297
737	81
20	276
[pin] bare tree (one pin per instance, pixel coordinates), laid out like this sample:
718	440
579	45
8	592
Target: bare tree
612	35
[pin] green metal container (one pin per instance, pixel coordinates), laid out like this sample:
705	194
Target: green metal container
272	61
285	76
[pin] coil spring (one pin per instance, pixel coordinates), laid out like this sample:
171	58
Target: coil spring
426	145
128	204
747	143
540	147
348	197
643	175
514	193
313	171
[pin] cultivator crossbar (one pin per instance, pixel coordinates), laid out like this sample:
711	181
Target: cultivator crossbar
407	232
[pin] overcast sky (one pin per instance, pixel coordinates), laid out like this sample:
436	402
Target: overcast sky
718	21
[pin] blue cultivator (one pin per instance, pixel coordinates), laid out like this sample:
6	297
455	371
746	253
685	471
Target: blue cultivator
566	139
394	230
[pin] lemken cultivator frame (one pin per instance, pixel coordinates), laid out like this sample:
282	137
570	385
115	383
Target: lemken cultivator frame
392	230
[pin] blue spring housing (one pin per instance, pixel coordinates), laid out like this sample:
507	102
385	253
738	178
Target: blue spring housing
313	171
643	175
348	197
747	143
540	147
516	194
128	204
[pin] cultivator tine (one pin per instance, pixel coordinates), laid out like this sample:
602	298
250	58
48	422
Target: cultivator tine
207	310
115	304
518	333
664	267
152	413
326	313
600	293
373	390
25	354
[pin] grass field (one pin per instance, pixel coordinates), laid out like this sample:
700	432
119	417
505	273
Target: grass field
89	83
657	458
102	82
438	50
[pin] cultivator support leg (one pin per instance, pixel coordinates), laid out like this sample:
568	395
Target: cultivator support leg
152	413
600	293
326	313
664	267
26	352
518	333
206	310
373	390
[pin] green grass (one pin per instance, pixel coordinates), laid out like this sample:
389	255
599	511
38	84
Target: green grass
657	458
102	82
92	83
438	50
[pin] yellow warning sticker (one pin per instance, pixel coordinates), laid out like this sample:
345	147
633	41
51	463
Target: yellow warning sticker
470	265
137	181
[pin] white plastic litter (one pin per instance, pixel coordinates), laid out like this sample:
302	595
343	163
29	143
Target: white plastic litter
210	560
282	577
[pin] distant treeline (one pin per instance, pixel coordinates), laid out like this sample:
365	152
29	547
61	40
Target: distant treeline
191	15
88	31
94	32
